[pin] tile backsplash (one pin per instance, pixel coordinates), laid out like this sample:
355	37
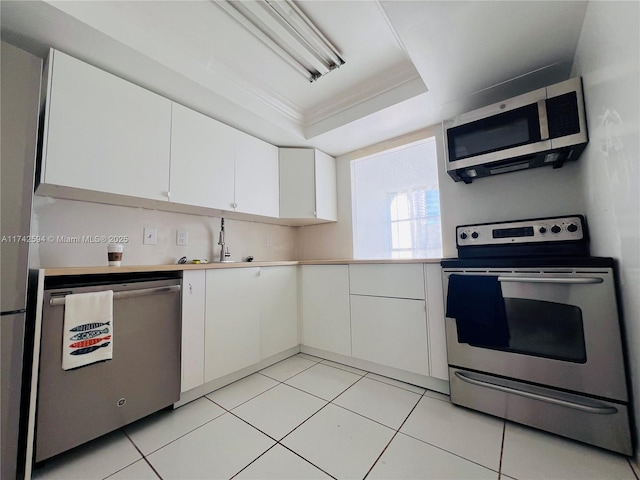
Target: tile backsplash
77	233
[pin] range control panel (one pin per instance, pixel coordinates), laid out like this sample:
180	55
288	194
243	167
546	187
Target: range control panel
540	230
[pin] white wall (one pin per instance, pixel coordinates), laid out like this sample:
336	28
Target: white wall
540	192
608	58
71	218
331	240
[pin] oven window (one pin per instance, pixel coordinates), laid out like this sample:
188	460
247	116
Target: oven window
545	329
485	318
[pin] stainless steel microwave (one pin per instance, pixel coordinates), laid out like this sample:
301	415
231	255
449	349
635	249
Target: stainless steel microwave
543	127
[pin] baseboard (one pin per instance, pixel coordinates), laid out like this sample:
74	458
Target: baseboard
430	383
202	390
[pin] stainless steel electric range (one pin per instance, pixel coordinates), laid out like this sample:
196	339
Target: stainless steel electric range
533	333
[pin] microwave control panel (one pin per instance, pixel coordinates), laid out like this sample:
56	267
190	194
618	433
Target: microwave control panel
542	230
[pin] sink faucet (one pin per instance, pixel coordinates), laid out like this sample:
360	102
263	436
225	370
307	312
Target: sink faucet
224	251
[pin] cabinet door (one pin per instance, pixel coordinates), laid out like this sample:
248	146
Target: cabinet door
297	183
202	160
232	330
278	310
256	177
325	308
326	193
193	316
390	331
435	322
104	133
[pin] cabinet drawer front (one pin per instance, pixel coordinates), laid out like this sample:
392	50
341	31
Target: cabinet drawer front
390	332
400	281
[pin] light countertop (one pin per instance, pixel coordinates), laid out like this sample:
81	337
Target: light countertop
58	271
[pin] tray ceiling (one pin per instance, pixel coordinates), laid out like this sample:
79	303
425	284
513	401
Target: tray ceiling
408	64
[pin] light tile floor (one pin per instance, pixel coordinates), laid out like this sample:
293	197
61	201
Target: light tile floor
308	418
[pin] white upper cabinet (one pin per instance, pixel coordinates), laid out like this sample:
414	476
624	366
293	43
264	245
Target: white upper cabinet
256	177
326	189
307	186
216	166
103	133
202	160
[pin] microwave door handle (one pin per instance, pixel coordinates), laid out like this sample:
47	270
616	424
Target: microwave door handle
561	280
544	121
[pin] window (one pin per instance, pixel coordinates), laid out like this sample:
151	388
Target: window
396	203
415	223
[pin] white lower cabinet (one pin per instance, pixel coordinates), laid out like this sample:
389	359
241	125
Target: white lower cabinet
389	315
390	332
251	313
193	314
278	310
435	323
232	325
325	308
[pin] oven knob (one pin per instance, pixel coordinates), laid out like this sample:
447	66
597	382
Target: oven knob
555	229
543	230
474	235
463	236
572	227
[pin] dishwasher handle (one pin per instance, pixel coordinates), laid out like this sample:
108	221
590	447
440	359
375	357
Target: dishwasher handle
60	300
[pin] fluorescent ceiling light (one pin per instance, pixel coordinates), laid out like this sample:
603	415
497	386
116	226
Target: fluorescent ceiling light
287	31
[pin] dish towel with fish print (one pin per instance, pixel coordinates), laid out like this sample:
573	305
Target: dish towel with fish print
88	329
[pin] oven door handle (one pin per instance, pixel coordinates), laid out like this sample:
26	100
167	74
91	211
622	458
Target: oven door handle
562	280
600	410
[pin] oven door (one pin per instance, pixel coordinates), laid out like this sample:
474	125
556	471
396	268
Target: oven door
558	328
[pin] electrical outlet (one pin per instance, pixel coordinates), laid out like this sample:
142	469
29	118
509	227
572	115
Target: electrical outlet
182	238
150	236
269	241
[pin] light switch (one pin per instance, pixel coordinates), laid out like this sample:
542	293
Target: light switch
182	238
150	236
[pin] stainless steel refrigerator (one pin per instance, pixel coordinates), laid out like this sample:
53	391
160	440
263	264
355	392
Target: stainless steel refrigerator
20	78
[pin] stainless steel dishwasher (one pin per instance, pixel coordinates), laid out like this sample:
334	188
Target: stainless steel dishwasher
75	406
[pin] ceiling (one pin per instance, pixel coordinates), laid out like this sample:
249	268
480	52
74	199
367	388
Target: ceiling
409	64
